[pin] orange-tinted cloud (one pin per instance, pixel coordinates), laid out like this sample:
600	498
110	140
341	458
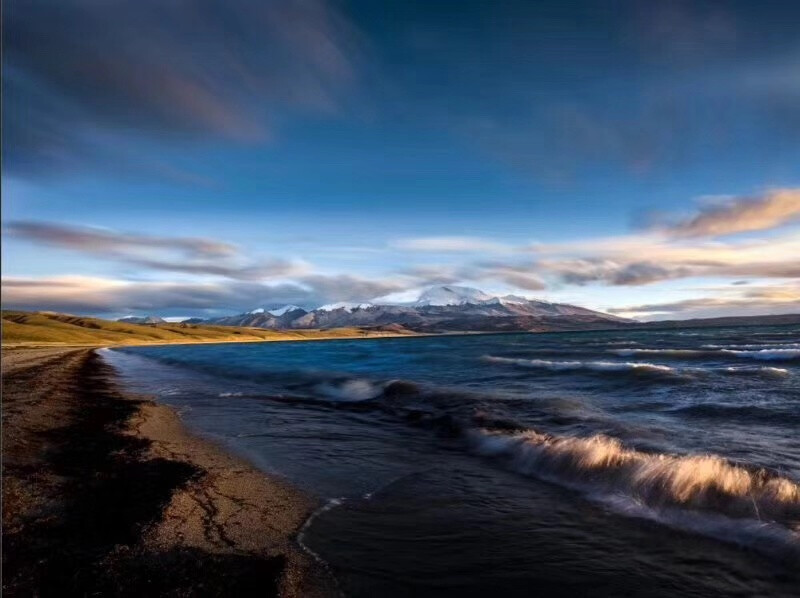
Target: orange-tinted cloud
742	214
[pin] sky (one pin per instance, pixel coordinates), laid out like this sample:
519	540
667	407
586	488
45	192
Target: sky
207	157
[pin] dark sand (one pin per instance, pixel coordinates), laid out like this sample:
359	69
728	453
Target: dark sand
106	494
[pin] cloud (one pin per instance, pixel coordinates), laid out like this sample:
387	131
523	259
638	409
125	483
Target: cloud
684	31
779	299
738	215
102	241
518	276
173	254
273	268
709	308
450	244
101	295
618	260
633	260
93	295
331	288
218	70
586	270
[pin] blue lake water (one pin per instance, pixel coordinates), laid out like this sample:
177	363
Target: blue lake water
652	463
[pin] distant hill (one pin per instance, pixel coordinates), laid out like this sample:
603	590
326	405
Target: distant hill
445	308
775	320
34	328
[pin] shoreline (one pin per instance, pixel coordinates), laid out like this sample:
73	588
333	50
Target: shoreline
110	345
104	489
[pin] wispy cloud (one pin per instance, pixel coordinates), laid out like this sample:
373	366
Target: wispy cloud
80	294
450	245
223	276
687	247
172	254
581	271
738	215
212	70
617	261
781	299
102	241
519	276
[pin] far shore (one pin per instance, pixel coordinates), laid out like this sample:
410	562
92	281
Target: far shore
101	345
50	329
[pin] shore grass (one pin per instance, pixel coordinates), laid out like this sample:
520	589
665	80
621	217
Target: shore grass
54	329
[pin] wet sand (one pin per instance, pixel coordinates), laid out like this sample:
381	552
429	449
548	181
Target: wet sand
105	493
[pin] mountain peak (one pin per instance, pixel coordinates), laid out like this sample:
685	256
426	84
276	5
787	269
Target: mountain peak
283	310
451	295
345	305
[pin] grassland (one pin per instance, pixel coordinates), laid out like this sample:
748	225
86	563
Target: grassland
48	328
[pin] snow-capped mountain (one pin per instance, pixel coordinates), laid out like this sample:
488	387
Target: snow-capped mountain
451	295
437	309
277	318
283	310
345	305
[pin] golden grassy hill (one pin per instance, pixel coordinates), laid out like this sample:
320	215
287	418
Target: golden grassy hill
48	328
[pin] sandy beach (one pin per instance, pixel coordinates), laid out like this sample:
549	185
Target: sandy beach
107	493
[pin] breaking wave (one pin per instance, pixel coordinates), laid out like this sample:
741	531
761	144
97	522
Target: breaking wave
756	346
350	390
360	389
665	485
598	366
635	367
760	354
762	370
766	354
684	353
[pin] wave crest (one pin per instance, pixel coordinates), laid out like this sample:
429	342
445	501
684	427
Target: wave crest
760	354
598	366
767	354
602	464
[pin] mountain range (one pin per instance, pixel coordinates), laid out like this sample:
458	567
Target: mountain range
437	309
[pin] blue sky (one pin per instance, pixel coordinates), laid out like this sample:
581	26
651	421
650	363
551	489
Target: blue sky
553	149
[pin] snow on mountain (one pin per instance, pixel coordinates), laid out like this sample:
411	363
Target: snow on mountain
260	310
436	309
282	310
345	305
509	300
451	295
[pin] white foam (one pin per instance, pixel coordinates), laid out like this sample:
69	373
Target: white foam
766	354
782	354
670	352
599	366
635	366
763	370
350	390
301	534
757	346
